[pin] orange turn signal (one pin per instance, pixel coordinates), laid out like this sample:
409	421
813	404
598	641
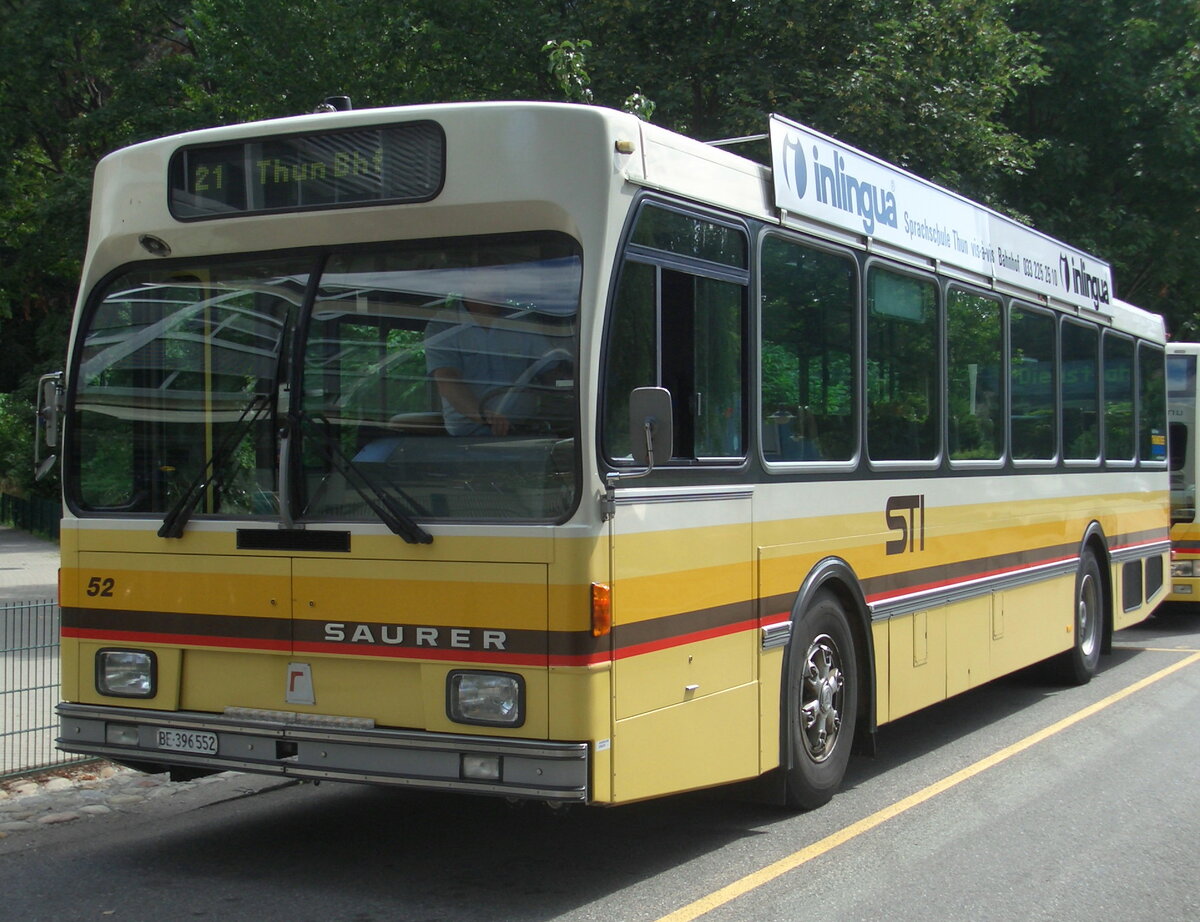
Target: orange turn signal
601	609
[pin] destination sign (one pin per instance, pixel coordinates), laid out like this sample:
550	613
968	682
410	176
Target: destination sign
330	169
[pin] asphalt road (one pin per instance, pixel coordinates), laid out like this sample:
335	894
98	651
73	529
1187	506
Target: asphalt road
1019	800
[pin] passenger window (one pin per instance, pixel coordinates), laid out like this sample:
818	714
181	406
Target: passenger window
681	234
903	391
1080	391
1118	398
1034	419
678	323
808	363
975	347
1152	404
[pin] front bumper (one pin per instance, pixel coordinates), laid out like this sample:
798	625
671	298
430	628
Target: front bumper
291	745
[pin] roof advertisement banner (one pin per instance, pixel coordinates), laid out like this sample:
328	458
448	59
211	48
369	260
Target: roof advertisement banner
824	180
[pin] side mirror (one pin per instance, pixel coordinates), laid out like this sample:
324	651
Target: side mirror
651	425
50	402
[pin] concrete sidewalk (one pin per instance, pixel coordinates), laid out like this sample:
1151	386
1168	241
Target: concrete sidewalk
28	566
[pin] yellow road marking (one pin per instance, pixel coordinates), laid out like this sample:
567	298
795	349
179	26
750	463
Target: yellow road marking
755	880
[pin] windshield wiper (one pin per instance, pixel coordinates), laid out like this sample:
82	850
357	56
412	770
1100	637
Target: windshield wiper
214	467
266	393
383	505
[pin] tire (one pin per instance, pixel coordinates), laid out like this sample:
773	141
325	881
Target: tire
820	703
1079	664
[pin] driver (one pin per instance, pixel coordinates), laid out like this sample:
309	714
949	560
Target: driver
475	352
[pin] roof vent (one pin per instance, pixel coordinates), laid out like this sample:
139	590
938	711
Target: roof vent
334	104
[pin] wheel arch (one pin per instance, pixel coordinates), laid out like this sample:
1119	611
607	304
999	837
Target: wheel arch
835	575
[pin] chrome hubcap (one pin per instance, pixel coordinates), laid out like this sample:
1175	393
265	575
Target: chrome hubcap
1088	616
822	693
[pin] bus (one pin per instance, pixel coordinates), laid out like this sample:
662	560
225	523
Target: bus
532	450
1181	438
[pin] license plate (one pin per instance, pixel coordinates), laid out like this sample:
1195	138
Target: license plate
187	741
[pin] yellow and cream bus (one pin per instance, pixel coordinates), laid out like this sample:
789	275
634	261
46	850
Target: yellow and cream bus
1183	425
536	451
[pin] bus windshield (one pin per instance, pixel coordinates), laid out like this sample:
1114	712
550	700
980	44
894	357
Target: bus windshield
412	382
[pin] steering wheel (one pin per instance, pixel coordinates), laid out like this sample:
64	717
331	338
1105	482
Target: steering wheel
502	399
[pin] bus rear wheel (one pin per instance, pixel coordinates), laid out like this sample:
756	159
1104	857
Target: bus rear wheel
821	702
1079	664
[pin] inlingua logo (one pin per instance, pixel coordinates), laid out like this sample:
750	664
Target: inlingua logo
793	156
835	186
1078	278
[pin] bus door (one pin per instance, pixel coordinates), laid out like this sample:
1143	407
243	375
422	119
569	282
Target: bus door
685	641
685	702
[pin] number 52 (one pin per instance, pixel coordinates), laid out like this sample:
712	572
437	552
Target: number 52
101	586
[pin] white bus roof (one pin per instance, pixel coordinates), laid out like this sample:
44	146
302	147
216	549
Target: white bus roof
817	184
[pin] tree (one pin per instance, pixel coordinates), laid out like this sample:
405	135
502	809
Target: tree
77	79
890	76
1083	117
1117	124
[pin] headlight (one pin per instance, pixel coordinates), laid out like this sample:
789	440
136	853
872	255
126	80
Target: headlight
494	699
1181	568
126	673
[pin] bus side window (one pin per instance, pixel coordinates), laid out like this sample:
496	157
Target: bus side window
1034	419
1119	443
809	298
903	391
1080	391
1152	403
702	363
632	352
974	342
681	327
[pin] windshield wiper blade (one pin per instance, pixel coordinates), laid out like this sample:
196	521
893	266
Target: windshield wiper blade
177	516
266	392
384	506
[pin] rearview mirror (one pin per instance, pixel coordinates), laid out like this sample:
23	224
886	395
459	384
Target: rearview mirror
50	401
651	425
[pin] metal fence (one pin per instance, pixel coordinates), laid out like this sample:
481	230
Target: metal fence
29	686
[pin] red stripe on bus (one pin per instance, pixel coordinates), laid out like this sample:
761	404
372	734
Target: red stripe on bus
145	638
950	583
666	643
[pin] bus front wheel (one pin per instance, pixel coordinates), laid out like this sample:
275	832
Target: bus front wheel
821	702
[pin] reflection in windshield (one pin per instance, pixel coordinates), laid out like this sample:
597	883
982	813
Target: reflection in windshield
170	362
414	357
435	382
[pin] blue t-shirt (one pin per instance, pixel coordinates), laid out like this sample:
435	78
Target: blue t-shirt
489	354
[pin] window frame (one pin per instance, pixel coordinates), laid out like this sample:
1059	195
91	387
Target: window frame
1142	346
630	252
1068	460
939	351
977	464
857	358
1055	460
1108	462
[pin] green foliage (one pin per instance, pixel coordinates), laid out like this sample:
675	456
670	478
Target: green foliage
1085	117
567	68
16	418
1117	124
